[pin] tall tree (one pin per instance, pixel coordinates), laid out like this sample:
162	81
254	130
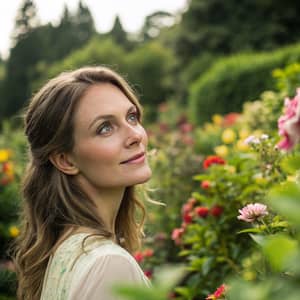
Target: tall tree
223	27
24	54
118	34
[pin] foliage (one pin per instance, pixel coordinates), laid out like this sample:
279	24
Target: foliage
211	26
288	78
233	80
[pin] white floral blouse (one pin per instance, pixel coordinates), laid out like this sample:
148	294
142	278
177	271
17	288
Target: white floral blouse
76	275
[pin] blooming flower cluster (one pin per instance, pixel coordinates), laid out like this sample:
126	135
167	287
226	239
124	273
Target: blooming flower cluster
289	123
213	159
190	212
218	294
140	257
253	212
7	171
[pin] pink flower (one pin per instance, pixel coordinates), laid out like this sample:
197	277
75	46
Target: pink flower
252	212
289	123
218	294
177	234
139	257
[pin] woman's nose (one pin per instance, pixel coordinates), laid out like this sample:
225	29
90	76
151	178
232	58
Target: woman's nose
135	135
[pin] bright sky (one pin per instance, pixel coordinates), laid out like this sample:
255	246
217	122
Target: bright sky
131	12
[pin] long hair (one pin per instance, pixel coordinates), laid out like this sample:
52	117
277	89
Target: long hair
52	200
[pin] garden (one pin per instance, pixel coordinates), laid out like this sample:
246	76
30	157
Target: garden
223	202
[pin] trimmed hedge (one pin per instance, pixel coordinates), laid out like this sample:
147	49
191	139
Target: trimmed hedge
234	80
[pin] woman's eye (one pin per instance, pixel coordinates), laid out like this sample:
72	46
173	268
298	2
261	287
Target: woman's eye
133	117
105	128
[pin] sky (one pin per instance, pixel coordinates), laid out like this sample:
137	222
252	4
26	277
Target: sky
131	12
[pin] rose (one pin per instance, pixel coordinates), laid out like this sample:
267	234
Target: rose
289	123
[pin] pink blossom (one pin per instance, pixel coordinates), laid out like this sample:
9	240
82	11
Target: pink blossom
252	212
289	123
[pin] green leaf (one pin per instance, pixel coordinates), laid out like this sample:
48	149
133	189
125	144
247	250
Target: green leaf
255	230
280	251
257	238
285	199
291	164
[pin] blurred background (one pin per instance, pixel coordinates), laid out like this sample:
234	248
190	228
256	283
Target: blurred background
209	74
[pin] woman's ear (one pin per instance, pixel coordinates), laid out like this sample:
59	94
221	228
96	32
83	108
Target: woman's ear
64	163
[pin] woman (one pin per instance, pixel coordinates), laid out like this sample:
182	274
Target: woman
87	151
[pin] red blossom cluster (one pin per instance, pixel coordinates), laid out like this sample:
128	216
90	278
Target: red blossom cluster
6	173
189	212
218	294
213	159
230	119
140	256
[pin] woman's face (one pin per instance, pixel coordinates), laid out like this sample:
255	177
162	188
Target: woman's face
107	134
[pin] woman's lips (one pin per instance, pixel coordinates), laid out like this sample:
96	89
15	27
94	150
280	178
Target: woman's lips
137	160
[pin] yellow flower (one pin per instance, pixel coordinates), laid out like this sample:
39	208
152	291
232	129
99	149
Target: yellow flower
14	231
249	275
217	119
291	178
244	133
221	150
228	136
230	169
242	146
4	155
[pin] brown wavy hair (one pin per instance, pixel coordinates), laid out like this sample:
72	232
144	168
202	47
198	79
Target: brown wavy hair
51	200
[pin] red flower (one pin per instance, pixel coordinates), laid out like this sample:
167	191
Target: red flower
220	291
201	211
213	159
216	210
139	257
205	184
148	273
230	119
188	218
148	252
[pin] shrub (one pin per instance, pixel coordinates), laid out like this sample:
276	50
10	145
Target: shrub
233	80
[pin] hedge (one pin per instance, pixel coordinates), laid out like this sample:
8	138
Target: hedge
233	80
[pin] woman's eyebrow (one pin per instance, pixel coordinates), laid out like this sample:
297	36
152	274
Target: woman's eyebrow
107	117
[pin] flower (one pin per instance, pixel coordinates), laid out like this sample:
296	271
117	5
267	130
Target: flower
186	127
188	218
213	159
14	231
221	150
251	139
148	273
4	155
177	234
230	119
205	184
148	252
228	136
243	133
139	257
241	146
220	292
289	123
201	211
217	119
216	210
252	212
